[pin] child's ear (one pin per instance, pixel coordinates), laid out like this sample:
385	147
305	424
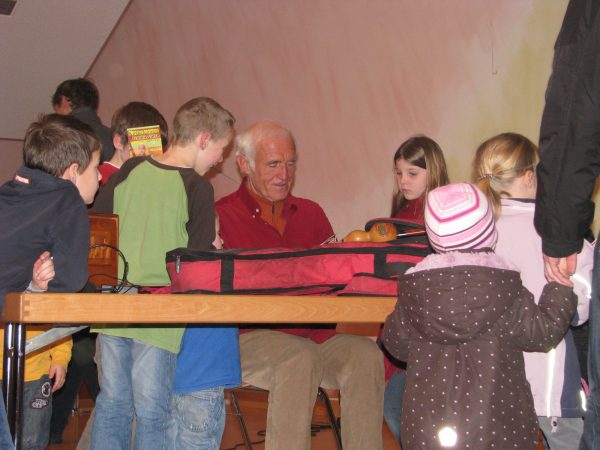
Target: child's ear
203	139
530	177
63	108
117	144
71	173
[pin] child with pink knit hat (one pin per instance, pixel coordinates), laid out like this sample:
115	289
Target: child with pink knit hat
462	321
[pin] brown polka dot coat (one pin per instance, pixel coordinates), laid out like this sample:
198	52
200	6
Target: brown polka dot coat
461	323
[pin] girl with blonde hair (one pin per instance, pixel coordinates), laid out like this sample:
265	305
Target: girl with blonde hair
504	169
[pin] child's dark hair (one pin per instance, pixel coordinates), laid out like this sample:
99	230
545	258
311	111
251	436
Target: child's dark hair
138	114
423	152
55	142
79	92
199	115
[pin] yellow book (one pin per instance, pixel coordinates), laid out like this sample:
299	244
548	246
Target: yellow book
145	140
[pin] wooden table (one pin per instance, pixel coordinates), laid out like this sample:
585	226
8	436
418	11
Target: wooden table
21	309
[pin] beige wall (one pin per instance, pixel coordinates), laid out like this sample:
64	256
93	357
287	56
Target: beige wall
11	157
352	79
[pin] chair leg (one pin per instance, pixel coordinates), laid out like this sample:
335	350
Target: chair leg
241	421
332	419
75	409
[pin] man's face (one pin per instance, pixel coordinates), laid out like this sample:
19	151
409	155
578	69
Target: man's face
274	169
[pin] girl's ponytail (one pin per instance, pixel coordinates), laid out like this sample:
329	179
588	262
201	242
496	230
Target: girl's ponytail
483	182
499	161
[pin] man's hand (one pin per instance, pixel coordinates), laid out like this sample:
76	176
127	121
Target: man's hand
43	272
560	269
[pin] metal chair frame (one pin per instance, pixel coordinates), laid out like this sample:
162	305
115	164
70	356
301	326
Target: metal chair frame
321	395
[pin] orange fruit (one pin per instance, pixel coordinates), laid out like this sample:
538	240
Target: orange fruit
383	232
357	236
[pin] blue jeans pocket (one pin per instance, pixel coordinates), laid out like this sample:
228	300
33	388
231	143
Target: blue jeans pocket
200	419
199	410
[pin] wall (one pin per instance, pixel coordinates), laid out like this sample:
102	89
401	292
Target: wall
43	43
351	79
11	157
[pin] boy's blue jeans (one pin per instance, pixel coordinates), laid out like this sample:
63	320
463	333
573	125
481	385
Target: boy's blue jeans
37	411
200	419
591	424
135	377
6	441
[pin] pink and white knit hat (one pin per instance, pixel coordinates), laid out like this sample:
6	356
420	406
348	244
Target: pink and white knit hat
458	217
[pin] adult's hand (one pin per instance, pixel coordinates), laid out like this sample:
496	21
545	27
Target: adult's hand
560	269
43	272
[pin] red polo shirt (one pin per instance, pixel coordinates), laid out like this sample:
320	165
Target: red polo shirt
242	226
306	224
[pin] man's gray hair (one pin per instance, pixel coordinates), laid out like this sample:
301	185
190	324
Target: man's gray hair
246	142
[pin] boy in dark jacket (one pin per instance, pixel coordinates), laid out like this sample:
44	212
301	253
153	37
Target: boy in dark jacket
43	215
43	208
462	321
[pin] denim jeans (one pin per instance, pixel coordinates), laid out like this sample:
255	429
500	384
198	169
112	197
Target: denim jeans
6	441
200	419
591	425
37	410
564	434
135	377
392	402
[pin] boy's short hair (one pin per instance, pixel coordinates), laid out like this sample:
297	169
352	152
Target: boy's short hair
79	92
138	114
199	115
55	142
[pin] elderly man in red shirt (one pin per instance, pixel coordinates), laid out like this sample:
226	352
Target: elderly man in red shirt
291	363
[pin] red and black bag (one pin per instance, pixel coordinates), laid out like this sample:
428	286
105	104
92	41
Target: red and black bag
347	268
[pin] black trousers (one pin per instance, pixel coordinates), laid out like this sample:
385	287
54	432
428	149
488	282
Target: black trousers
82	369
